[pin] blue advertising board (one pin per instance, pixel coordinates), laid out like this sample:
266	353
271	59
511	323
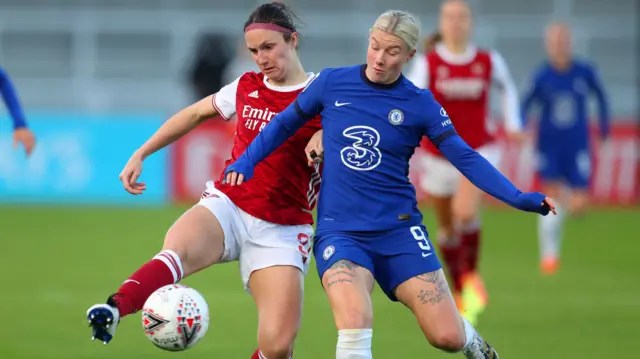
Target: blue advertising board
78	159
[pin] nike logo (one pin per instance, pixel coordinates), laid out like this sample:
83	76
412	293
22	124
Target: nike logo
338	104
131	281
425	255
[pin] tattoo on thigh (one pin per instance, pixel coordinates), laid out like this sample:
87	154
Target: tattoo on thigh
341	271
439	291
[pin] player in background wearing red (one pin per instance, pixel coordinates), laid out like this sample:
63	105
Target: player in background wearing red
460	76
265	224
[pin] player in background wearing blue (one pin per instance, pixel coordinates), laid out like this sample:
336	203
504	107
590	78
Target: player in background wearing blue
369	225
21	134
561	86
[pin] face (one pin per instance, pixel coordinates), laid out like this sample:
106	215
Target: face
271	52
386	56
558	43
455	21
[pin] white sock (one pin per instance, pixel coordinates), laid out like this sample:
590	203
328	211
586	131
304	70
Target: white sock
354	344
550	234
469	333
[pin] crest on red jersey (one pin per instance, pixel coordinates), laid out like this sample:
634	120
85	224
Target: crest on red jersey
442	71
477	69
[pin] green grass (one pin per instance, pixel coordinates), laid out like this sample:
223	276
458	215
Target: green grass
56	261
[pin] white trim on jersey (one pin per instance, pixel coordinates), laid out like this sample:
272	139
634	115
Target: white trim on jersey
312	194
500	75
510	100
419	71
310	76
225	100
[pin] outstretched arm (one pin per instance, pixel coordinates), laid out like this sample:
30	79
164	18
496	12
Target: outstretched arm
477	169
486	177
11	100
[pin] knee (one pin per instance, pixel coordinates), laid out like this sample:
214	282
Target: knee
353	316
450	340
276	343
465	216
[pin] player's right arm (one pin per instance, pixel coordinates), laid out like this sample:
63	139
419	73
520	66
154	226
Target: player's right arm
440	131
21	133
178	125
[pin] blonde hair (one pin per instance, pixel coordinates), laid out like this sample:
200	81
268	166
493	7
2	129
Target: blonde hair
401	24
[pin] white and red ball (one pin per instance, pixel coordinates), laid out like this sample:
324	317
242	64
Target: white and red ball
175	317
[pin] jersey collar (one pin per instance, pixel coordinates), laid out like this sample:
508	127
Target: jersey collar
299	86
366	80
457	59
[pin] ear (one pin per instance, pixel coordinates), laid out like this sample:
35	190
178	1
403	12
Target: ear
294	40
412	53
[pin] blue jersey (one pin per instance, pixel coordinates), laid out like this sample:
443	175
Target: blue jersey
11	100
370	133
367	209
563	97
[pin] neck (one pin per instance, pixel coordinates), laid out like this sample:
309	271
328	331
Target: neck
295	75
456	47
561	64
370	73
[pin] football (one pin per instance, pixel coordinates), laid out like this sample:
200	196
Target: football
175	317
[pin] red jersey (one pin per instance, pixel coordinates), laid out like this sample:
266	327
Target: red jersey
461	84
283	189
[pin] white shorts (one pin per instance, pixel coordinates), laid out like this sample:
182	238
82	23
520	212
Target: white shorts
256	243
441	178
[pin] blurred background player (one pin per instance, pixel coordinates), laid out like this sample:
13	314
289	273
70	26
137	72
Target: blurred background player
369	225
21	134
264	224
460	76
562	86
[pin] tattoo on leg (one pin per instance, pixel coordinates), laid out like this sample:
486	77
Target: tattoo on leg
341	271
435	295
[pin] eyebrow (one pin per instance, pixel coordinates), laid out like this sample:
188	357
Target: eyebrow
263	44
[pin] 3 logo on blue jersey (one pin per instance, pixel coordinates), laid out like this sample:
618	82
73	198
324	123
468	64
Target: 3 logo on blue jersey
363	154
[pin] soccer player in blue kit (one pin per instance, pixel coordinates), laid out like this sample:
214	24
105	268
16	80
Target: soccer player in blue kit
561	86
369	226
21	133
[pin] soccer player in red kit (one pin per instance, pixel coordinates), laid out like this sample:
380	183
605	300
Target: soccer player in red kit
460	76
265	224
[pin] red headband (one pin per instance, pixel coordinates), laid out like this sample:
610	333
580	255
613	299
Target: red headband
267	26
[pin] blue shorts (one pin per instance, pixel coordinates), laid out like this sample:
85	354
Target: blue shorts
392	256
573	167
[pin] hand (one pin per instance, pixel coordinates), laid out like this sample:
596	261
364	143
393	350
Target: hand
25	137
130	173
314	149
238	172
548	204
536	202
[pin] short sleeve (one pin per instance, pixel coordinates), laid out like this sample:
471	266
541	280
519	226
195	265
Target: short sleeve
309	102
225	100
437	124
419	72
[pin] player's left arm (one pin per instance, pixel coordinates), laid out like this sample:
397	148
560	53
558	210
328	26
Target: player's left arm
603	105
282	126
440	130
501	76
